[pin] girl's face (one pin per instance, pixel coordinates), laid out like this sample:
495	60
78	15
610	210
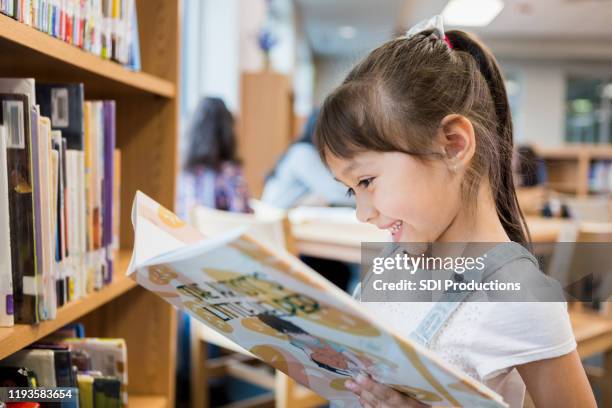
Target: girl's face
415	200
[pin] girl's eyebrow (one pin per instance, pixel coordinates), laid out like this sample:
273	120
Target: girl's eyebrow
346	172
349	168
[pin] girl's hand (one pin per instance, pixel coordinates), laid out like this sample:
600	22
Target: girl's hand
374	395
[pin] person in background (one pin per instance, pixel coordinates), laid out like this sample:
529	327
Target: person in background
212	175
531	179
300	178
530	167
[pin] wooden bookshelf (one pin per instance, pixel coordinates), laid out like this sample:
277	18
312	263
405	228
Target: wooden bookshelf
147	135
568	166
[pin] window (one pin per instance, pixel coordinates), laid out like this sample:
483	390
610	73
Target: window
589	110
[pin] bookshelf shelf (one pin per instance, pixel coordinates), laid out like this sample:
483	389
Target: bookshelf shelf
569	166
572	152
19	336
567	187
48	56
147	401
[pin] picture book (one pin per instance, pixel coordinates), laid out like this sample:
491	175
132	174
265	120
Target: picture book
272	305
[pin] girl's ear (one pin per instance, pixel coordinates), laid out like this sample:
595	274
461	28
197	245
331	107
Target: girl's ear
456	136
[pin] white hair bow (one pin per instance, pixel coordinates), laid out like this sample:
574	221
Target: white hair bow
435	23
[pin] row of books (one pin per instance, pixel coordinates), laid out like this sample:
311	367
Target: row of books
107	28
93	369
58	197
600	176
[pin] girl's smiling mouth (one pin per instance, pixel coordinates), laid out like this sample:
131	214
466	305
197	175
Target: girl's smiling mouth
395	229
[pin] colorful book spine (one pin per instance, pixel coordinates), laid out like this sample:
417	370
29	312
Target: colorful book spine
107	392
6	275
102	27
47	184
63	103
86	382
109	152
16	116
60	243
117	199
41	361
17	377
37	206
64	376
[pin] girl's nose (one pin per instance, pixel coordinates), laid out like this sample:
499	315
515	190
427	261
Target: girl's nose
365	210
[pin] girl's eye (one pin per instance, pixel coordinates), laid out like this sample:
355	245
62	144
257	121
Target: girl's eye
365	183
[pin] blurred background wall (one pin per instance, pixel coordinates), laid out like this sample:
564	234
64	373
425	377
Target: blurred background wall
556	54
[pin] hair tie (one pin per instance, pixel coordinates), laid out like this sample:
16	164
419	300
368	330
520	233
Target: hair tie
436	24
448	42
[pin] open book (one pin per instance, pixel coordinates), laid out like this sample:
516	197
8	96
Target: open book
271	304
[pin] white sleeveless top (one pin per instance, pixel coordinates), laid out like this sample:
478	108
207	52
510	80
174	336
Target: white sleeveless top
486	340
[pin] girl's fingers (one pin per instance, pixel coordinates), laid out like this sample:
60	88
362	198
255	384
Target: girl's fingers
379	395
383	393
363	403
367	399
353	387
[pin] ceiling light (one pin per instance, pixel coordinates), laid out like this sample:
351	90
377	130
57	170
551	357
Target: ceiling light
347	32
472	13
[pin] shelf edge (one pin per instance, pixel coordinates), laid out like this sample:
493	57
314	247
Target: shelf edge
45	44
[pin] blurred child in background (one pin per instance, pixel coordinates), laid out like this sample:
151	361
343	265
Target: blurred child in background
212	175
300	178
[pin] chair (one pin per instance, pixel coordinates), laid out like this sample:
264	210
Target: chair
572	260
271	225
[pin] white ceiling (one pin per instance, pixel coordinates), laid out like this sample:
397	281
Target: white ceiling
566	19
376	20
373	19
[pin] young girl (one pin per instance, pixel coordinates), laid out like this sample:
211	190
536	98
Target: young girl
420	132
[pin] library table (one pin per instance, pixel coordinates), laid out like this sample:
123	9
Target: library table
341	239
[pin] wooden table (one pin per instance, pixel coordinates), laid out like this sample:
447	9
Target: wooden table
545	229
342	240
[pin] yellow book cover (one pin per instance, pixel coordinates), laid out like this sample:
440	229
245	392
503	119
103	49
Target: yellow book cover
85	383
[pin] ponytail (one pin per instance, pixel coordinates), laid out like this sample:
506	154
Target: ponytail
506	201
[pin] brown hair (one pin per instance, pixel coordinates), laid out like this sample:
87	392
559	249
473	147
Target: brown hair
395	99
